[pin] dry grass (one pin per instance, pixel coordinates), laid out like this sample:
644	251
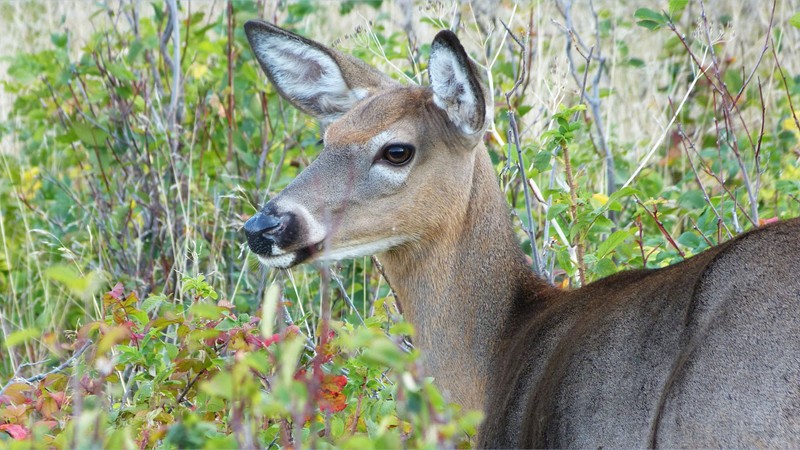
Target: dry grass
633	115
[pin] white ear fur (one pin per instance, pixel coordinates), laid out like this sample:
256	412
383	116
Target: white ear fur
455	88
304	74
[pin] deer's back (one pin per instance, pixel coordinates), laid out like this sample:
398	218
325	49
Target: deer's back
703	353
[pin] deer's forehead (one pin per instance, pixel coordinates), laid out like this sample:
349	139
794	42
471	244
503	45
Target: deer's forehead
404	107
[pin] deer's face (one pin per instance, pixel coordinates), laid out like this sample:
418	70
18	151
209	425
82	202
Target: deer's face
396	164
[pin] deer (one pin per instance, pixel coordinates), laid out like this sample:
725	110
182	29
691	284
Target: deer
702	353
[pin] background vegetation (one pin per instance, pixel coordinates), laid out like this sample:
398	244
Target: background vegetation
131	312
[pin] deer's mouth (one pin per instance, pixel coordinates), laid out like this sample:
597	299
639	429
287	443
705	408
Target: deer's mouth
290	259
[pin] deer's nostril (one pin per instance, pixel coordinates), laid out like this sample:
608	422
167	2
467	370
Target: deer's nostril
262	223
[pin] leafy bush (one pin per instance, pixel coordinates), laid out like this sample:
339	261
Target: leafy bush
132	313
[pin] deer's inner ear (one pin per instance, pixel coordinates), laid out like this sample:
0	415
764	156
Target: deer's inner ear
456	86
304	72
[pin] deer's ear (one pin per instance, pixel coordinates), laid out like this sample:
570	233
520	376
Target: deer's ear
314	78
456	84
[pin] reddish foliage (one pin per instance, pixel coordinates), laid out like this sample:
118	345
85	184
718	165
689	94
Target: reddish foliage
17	432
326	350
291	330
17	394
117	292
49	403
15	413
119	304
135	337
261	342
331	396
762	222
90	386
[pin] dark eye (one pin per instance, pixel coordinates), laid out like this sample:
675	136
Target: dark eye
398	154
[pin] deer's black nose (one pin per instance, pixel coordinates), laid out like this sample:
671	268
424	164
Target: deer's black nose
262	223
259	229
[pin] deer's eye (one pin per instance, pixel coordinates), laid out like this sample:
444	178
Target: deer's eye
398	154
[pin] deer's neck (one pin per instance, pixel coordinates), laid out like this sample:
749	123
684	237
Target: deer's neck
460	288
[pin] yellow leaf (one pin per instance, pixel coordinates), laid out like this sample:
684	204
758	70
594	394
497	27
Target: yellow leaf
790	173
30	181
198	70
602	198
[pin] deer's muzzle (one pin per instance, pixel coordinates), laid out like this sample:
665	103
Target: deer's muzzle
279	239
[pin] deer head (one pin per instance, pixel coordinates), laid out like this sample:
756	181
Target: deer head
397	161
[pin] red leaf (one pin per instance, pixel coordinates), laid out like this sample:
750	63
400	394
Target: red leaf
17	432
59	397
291	330
90	385
331	397
762	222
117	292
50	424
260	342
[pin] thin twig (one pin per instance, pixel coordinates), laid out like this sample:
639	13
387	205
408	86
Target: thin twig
16	379
347	298
172	6
785	87
654	215
761	55
513	132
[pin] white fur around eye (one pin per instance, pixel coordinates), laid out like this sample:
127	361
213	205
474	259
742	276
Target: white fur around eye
387	175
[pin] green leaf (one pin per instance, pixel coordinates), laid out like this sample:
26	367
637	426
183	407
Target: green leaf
121	72
676	6
402	328
345	7
153	302
690	240
383	353
59	39
541	161
289	354
90	135
795	20
556	209
649	19
226	325
206	310
611	243
80	285
219	386
134	50
605	267
636	62
649	14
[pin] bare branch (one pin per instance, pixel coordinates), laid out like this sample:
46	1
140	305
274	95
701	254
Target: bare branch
16	379
513	137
